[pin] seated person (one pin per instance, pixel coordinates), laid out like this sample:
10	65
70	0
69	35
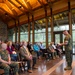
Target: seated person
5	61
54	46
29	46
59	49
17	46
42	48
12	51
37	50
27	56
51	50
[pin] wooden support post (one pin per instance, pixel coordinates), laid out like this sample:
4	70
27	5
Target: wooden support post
18	31
70	17
52	38
46	27
33	37
15	32
28	29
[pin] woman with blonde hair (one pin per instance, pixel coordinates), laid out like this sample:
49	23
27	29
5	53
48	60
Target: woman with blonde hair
11	51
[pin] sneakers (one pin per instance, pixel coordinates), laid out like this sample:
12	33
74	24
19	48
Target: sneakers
68	68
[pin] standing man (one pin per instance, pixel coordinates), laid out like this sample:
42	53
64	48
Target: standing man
68	49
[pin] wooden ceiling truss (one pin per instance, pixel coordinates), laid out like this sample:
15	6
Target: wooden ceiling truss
20	10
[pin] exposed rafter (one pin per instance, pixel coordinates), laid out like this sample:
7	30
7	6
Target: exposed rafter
22	5
24	28
49	3
7	13
11	8
45	9
38	25
28	8
41	3
14	9
2	1
28	5
19	7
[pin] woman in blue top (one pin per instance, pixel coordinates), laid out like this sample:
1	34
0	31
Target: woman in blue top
37	50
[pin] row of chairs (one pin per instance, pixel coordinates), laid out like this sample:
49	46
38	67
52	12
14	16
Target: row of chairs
22	64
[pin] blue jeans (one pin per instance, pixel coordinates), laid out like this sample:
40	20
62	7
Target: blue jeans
38	53
14	57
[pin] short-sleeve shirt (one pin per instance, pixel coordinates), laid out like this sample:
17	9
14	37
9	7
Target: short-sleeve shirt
68	39
4	55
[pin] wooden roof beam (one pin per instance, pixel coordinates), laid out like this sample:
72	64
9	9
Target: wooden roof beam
19	8
41	3
49	3
11	8
28	5
45	9
25	28
22	5
7	13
